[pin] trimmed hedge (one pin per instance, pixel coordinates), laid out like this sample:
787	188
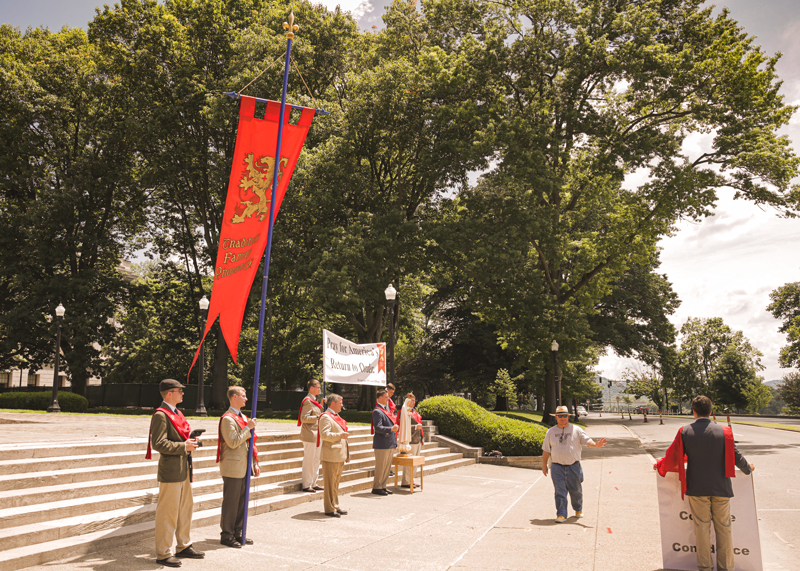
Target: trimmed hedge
471	424
68	402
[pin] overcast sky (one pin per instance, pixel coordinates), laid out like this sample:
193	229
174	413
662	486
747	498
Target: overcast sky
726	266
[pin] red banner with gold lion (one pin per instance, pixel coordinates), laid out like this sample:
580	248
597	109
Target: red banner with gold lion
245	224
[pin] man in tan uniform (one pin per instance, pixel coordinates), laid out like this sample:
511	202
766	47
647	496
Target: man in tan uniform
308	420
169	436
333	437
232	449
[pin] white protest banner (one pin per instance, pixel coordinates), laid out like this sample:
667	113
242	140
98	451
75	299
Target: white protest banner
678	546
352	364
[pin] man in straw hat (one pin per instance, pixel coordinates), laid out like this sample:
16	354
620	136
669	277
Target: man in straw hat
563	444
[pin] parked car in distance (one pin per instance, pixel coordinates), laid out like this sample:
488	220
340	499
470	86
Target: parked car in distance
582	411
641	410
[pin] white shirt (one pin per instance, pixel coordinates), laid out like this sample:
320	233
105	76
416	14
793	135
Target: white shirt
565	444
172	408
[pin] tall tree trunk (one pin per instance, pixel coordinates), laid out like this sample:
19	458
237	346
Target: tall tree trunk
549	397
501	404
78	381
219	374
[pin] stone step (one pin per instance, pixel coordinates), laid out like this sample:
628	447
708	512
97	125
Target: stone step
83	468
17	498
94	541
38	450
64	457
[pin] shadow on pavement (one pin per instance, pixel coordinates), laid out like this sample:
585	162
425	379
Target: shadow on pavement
312	516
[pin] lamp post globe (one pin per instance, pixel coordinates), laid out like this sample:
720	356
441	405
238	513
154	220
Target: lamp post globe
200	408
54	406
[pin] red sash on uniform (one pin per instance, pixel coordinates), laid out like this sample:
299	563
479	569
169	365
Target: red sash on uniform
675	459
242	422
178	421
388	414
415	415
336	418
392	407
309	399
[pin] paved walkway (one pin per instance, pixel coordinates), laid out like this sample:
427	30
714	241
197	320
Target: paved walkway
480	517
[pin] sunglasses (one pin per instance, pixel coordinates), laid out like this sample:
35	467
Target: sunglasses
176	391
562	416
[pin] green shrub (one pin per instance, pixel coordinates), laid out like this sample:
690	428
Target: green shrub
68	402
469	423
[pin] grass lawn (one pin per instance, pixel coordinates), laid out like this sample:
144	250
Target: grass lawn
528	416
791	427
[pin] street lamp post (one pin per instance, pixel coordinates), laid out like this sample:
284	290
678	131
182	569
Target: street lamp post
200	409
60	311
391	294
556	378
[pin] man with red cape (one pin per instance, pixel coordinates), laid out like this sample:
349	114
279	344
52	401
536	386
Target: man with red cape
712	459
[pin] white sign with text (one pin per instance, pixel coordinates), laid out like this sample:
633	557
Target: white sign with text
352	364
678	546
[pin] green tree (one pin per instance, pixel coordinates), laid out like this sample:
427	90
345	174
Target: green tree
790	391
584	95
703	343
758	396
504	390
69	198
734	378
175	59
363	198
786	307
157	328
648	384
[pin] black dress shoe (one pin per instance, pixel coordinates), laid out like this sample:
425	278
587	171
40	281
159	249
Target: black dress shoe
388	492
332	514
380	492
405	485
190	553
318	488
247	541
341	512
169	562
230	542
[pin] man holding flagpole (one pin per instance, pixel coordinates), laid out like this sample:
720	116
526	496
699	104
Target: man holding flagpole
233	447
384	442
308	419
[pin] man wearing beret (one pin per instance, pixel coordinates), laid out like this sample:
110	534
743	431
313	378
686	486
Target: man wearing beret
170	437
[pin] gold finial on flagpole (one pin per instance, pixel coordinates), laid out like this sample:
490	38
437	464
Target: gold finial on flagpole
290	27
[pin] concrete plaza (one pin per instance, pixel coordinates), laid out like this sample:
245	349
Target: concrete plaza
476	517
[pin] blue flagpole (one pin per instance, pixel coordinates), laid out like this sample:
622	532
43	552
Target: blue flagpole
291	28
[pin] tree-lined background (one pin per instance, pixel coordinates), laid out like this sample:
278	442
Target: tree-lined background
476	158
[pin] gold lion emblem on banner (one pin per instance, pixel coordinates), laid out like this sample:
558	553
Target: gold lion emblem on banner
255	187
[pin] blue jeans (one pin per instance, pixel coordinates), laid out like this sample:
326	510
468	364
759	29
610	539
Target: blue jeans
567	479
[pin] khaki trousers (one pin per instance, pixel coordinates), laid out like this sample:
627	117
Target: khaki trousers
310	464
383	465
173	517
706	509
331	474
408	471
